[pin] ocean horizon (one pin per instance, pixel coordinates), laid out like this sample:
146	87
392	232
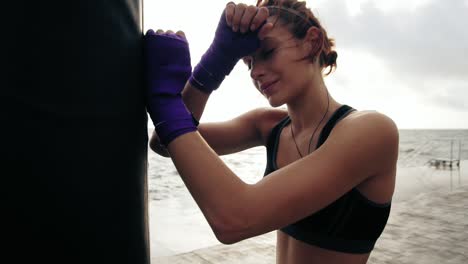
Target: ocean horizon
417	147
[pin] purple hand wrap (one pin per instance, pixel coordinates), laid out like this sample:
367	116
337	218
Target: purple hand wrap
167	70
227	48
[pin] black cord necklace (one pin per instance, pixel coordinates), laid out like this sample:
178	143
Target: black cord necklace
315	130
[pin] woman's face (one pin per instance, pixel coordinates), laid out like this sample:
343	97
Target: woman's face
279	67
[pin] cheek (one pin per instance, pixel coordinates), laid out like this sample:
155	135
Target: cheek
295	71
285	63
289	74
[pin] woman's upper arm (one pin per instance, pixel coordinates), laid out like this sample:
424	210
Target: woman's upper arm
355	150
245	131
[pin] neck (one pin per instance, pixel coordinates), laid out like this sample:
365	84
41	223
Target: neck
315	104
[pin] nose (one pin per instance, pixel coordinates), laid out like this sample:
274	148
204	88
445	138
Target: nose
257	70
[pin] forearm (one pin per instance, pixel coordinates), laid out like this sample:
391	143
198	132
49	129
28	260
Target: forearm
195	100
220	194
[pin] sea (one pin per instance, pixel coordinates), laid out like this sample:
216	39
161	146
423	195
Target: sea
177	225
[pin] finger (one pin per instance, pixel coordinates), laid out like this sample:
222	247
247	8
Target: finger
261	15
180	33
238	13
159	31
246	19
229	12
169	32
264	30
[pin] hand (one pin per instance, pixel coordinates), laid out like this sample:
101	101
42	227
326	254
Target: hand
237	35
168	67
243	18
168	61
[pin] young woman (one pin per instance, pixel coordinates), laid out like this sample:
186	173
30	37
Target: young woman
331	169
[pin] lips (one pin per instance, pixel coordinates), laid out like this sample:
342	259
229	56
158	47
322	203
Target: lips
266	87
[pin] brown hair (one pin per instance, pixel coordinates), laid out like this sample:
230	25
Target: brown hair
299	19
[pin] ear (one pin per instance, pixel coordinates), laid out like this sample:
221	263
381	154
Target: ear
313	34
313	41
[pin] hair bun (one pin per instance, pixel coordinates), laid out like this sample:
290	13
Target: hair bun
331	58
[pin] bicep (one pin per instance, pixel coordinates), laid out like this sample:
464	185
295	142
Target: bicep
246	131
229	136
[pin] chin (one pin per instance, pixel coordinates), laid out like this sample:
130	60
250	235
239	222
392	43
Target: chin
275	103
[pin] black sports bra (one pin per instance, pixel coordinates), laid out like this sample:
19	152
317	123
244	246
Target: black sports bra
350	224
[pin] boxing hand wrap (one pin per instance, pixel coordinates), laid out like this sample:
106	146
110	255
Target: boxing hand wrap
168	68
227	48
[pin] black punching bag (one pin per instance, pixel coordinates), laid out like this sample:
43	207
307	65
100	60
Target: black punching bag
73	137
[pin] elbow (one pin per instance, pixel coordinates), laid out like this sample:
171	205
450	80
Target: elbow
235	220
228	235
231	230
228	241
160	151
156	146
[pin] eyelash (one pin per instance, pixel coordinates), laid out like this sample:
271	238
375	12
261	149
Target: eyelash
264	55
268	53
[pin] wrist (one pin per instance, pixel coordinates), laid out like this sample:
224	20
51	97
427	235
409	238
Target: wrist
170	130
170	117
210	72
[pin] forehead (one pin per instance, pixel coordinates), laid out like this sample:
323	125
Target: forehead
279	32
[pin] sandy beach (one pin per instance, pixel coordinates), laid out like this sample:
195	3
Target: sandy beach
428	224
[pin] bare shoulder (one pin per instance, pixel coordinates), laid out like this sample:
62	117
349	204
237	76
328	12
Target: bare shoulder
370	119
266	118
370	124
369	135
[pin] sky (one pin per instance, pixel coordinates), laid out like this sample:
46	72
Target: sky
407	59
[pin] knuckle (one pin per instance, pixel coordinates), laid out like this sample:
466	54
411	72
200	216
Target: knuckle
263	11
242	5
230	4
251	9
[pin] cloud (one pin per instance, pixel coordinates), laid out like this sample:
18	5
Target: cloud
452	95
425	45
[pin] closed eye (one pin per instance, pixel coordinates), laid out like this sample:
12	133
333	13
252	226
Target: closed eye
267	54
263	55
